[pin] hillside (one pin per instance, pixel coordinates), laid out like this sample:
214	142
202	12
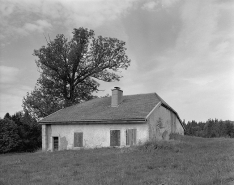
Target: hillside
185	160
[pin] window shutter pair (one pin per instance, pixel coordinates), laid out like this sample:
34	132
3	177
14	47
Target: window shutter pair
131	137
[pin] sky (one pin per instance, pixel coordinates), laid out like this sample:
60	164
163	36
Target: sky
181	49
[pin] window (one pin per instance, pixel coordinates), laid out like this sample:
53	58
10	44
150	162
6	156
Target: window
78	139
131	137
115	138
56	143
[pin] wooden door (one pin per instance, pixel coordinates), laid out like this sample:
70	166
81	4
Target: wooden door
115	138
78	139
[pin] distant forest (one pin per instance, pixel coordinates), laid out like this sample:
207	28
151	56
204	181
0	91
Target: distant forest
209	129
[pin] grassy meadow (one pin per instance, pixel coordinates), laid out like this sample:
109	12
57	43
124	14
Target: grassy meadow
183	160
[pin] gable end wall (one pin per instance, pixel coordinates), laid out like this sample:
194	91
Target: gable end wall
162	122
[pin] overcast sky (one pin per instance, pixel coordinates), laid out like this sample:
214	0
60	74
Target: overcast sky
181	49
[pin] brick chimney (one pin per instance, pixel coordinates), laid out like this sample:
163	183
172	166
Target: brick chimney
116	97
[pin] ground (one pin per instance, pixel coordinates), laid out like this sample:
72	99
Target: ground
184	160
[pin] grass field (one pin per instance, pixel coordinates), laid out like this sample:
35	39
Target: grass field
185	160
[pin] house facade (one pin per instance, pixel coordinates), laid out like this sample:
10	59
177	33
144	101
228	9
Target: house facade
110	121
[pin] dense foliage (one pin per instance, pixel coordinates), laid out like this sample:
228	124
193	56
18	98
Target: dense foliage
210	128
19	133
70	70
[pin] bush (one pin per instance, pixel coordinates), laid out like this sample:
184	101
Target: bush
150	146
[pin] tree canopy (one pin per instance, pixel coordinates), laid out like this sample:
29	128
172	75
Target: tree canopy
69	70
19	133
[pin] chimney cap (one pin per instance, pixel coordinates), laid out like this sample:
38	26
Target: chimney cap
117	88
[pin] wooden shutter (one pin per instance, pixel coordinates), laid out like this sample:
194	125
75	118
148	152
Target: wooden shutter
115	138
127	138
78	139
133	136
130	137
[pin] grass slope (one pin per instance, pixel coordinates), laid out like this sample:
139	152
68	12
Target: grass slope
185	160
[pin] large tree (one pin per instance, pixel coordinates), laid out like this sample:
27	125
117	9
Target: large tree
69	69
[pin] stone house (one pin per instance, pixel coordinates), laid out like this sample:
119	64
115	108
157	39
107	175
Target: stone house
110	121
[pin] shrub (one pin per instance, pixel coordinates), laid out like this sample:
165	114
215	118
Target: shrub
157	145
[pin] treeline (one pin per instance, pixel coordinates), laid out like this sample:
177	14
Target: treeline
211	128
19	133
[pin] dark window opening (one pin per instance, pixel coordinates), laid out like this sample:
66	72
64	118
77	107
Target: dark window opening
115	138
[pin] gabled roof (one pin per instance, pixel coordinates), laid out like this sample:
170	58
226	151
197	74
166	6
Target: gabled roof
132	108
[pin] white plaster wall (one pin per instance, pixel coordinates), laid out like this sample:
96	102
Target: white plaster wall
95	135
162	122
179	128
159	124
43	135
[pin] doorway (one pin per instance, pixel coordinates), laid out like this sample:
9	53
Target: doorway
55	143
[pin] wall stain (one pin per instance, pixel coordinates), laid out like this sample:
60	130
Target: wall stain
63	143
165	135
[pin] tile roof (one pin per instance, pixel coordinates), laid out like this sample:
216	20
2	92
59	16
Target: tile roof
133	107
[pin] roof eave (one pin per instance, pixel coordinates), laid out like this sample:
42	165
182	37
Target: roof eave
140	120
